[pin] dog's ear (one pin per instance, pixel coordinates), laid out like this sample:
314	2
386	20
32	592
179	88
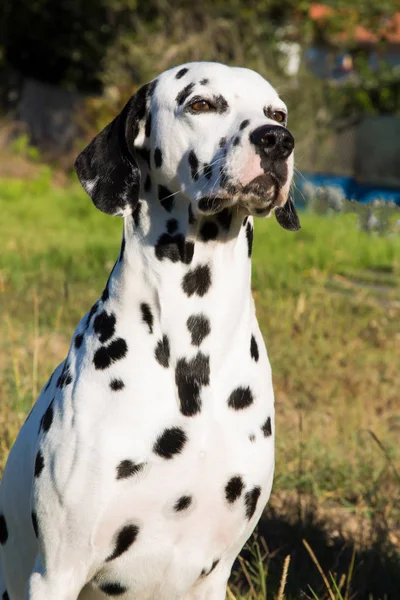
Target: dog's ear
107	168
287	216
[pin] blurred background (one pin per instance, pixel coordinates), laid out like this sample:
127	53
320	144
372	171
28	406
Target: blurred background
332	528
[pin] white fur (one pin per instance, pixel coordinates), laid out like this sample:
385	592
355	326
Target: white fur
80	504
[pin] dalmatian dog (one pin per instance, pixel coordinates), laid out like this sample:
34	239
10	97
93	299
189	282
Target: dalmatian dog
148	458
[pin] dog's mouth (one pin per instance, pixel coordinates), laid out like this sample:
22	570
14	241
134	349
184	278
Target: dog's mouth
256	198
264	194
261	195
263	185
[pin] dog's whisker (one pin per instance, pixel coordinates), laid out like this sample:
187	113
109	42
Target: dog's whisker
200	171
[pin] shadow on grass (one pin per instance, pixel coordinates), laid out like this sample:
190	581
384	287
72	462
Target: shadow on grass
376	574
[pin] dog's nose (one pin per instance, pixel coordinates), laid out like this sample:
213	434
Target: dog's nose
276	142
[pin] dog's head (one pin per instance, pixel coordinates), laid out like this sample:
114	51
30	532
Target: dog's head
215	134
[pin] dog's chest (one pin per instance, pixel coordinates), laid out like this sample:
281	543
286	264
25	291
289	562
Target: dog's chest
190	509
185	433
173	442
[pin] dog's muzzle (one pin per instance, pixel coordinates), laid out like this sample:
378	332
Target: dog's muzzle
274	145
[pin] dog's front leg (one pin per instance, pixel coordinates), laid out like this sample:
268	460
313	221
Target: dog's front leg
59	583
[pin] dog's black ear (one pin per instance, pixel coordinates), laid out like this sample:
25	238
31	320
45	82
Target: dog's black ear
107	168
287	216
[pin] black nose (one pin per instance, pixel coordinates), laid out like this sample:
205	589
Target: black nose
276	142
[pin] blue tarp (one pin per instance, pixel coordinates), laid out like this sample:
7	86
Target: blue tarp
346	186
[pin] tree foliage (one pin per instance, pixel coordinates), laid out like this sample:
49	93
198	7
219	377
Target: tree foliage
73	42
86	44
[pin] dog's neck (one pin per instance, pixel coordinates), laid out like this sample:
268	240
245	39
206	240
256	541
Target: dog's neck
174	265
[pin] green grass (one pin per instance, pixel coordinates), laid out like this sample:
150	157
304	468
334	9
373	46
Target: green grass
328	304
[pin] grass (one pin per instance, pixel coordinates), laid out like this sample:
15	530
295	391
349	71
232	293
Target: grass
328	304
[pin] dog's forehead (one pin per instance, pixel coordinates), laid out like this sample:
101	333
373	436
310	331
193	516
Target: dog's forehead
202	77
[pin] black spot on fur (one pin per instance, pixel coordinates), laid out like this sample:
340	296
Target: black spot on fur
236	141
197	281
181	73
215	563
136	214
205	573
194	165
245	220
113	589
252	437
224	218
184	94
147	183
210	203
147	127
5	596
192	219
104	326
122	251
151	87
141	112
244	124
170	442
106	294
207	171
93	310
144	154
147	316
174	248
39	464
221	104
47	419
254	348
188	253
35	523
78	340
249	236
204	81
3	530
234	488
65	377
250	501
128	468
166	198
199	327
222	142
190	376
240	398
266	428
125	538
182	503
158	157
162	352
172	225
116	385
106	355
209	231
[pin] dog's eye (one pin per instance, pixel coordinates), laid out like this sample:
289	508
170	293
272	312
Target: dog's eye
201	106
278	116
